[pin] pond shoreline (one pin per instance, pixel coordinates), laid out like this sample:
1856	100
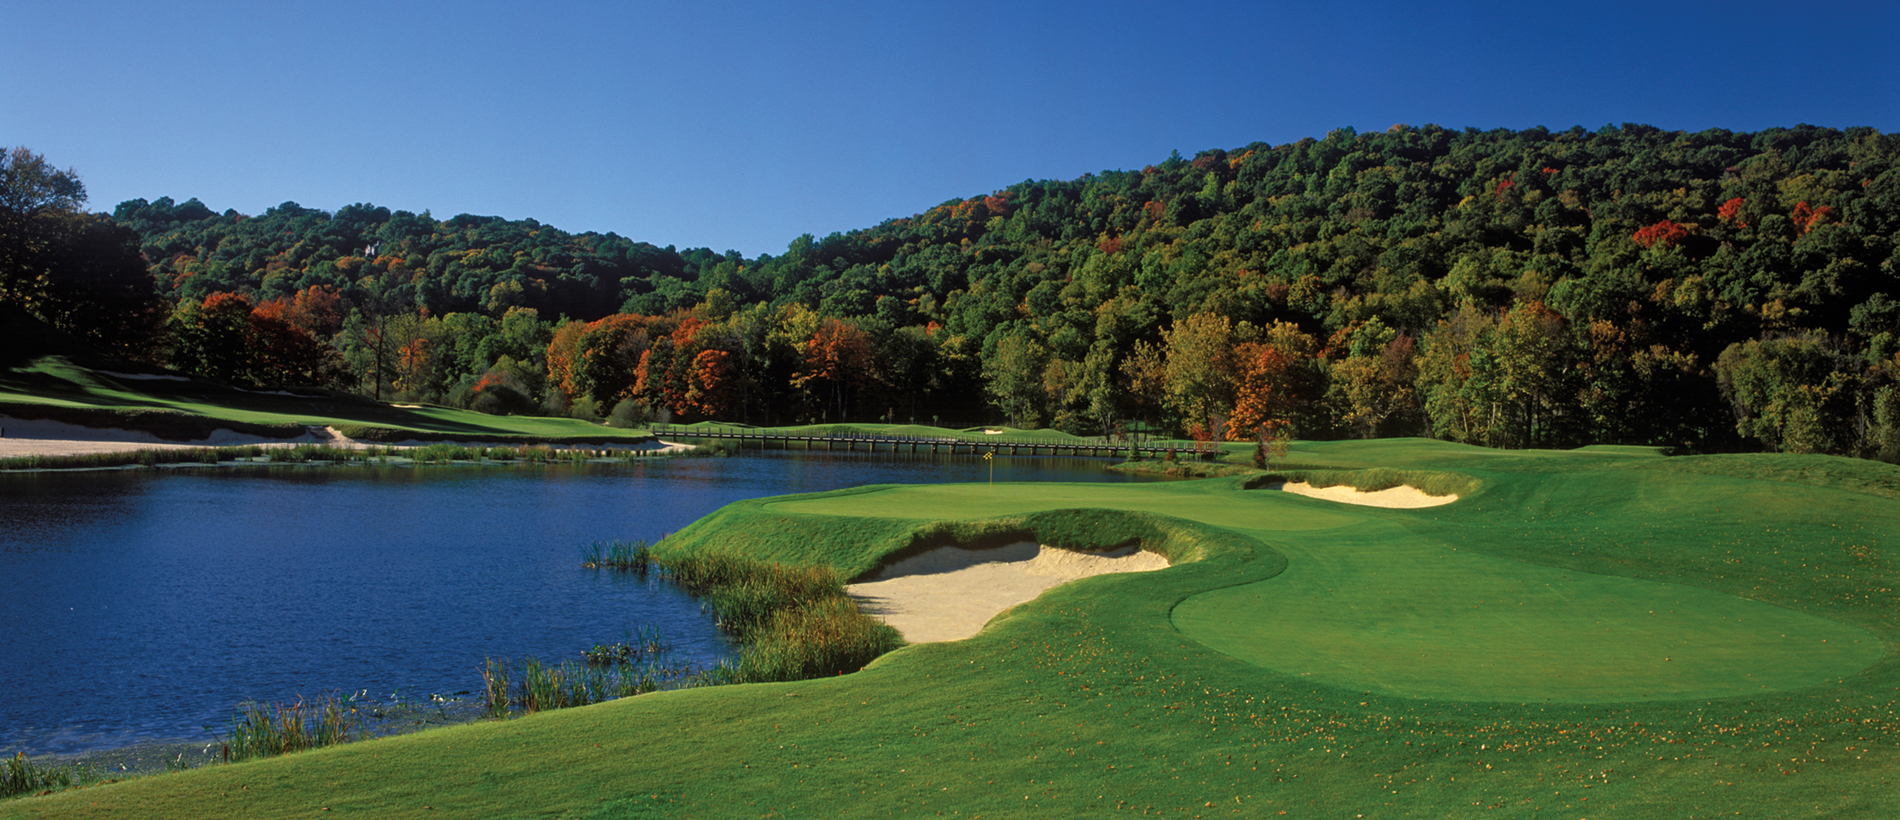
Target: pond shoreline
179	582
28	439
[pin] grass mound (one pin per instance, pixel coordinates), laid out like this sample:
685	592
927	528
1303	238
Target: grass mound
171	425
84	392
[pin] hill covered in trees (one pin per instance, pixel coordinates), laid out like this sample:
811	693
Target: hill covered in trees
1707	290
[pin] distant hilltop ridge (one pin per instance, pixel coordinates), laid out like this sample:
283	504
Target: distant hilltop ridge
1627	285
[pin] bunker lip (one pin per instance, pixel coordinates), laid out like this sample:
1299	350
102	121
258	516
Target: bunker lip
949	593
1398	498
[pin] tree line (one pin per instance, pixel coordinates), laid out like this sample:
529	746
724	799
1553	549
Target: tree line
1513	288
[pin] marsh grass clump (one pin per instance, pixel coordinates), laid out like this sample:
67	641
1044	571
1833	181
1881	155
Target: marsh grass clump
495	687
23	776
830	636
152	457
643	644
626	556
605	672
742	593
444	453
305	453
267	730
794	622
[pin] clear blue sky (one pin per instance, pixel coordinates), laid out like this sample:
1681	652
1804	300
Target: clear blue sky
737	125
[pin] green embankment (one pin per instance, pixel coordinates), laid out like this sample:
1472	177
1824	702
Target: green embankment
56	388
1492	657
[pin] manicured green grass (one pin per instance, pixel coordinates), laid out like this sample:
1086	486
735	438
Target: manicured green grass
1183	692
1376	607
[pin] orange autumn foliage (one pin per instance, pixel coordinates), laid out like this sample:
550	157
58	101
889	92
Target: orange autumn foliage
1806	218
1265	397
1665	233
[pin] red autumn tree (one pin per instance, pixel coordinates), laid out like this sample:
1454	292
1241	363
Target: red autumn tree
1732	211
225	337
838	356
998	203
281	353
1265	395
601	358
710	383
1806	218
1665	233
660	379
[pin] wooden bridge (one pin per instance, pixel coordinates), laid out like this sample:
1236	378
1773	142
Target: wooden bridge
871	442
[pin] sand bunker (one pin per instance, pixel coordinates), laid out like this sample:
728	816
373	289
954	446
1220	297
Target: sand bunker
27	437
949	593
43	437
1403	498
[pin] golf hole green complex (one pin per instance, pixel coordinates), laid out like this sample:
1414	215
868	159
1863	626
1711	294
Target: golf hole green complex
1379	610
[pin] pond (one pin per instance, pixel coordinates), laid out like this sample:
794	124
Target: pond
145	605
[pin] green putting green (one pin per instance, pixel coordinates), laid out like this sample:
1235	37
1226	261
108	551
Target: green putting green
1367	604
1377	608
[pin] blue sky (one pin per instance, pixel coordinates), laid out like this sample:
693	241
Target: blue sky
739	125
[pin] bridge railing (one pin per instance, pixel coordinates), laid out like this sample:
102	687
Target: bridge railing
970	439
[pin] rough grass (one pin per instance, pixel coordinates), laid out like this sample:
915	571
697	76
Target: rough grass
1092	700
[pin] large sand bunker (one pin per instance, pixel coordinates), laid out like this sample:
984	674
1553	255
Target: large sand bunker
45	437
41	437
1401	497
949	593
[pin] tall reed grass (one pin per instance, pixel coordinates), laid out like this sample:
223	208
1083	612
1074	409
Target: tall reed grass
267	730
627	556
606	673
793	622
23	776
821	638
152	457
643	644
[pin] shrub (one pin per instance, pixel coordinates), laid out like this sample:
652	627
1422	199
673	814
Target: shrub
629	413
585	409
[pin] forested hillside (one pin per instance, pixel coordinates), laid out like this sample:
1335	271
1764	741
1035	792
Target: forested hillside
1711	290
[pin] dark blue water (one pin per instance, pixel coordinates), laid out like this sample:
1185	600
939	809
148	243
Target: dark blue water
142	606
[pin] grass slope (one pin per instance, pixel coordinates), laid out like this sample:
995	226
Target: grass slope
1098	697
56	387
